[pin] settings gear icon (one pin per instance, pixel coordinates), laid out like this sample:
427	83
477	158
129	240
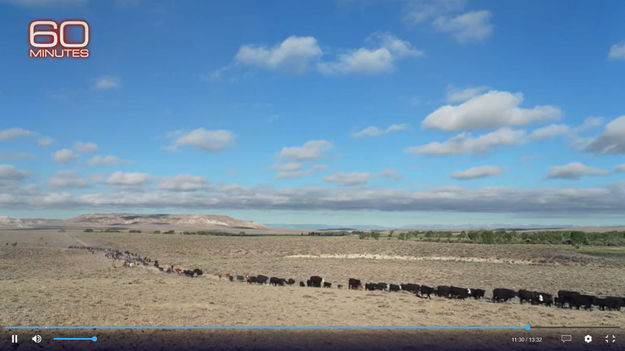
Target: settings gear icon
588	339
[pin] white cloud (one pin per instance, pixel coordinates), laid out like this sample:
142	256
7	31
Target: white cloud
184	182
389	173
463	143
64	156
85	147
68	179
620	168
348	179
609	199
590	123
490	110
13	133
419	11
310	151
617	52
549	132
611	141
209	140
294	54
108	160
44	141
455	95
574	170
476	172
14	156
468	27
373	131
289	166
128	178
445	16
374	60
10	173
105	83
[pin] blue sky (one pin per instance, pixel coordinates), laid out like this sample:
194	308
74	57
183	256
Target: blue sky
391	113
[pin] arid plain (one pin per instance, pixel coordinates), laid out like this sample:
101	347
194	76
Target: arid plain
44	282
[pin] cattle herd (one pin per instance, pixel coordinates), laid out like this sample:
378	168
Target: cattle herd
563	298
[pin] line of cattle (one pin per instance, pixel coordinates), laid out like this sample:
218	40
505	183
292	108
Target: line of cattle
563	299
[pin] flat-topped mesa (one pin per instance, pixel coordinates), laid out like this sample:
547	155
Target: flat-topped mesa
181	220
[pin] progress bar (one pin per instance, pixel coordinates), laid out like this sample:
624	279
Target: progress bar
93	338
525	327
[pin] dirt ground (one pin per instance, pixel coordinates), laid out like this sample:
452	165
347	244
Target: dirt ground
43	282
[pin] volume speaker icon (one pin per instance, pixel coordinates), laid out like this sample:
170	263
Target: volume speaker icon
36	338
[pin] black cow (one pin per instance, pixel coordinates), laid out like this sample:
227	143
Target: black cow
394	287
503	294
197	272
458	293
354	284
381	286
525	295
251	279
240	278
477	293
327	284
544	299
302	284
581	300
565	297
277	281
442	291
614	303
425	290
315	281
291	281
370	286
261	279
414	288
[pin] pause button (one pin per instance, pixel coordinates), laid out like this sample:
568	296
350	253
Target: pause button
13	339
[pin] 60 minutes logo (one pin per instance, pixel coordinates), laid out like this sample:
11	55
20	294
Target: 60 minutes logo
55	43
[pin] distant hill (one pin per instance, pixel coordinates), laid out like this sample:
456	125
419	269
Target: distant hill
133	220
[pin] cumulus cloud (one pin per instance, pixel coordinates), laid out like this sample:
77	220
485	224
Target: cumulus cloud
611	141
468	27
299	172
108	160
209	140
128	178
446	16
13	133
14	156
617	52
310	151
463	143
373	131
64	156
377	59
620	168
490	110
455	95
85	147
359	178
105	83
574	170
68	179
184	182
294	54
476	172
609	199
44	141
348	179
10	173
549	132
